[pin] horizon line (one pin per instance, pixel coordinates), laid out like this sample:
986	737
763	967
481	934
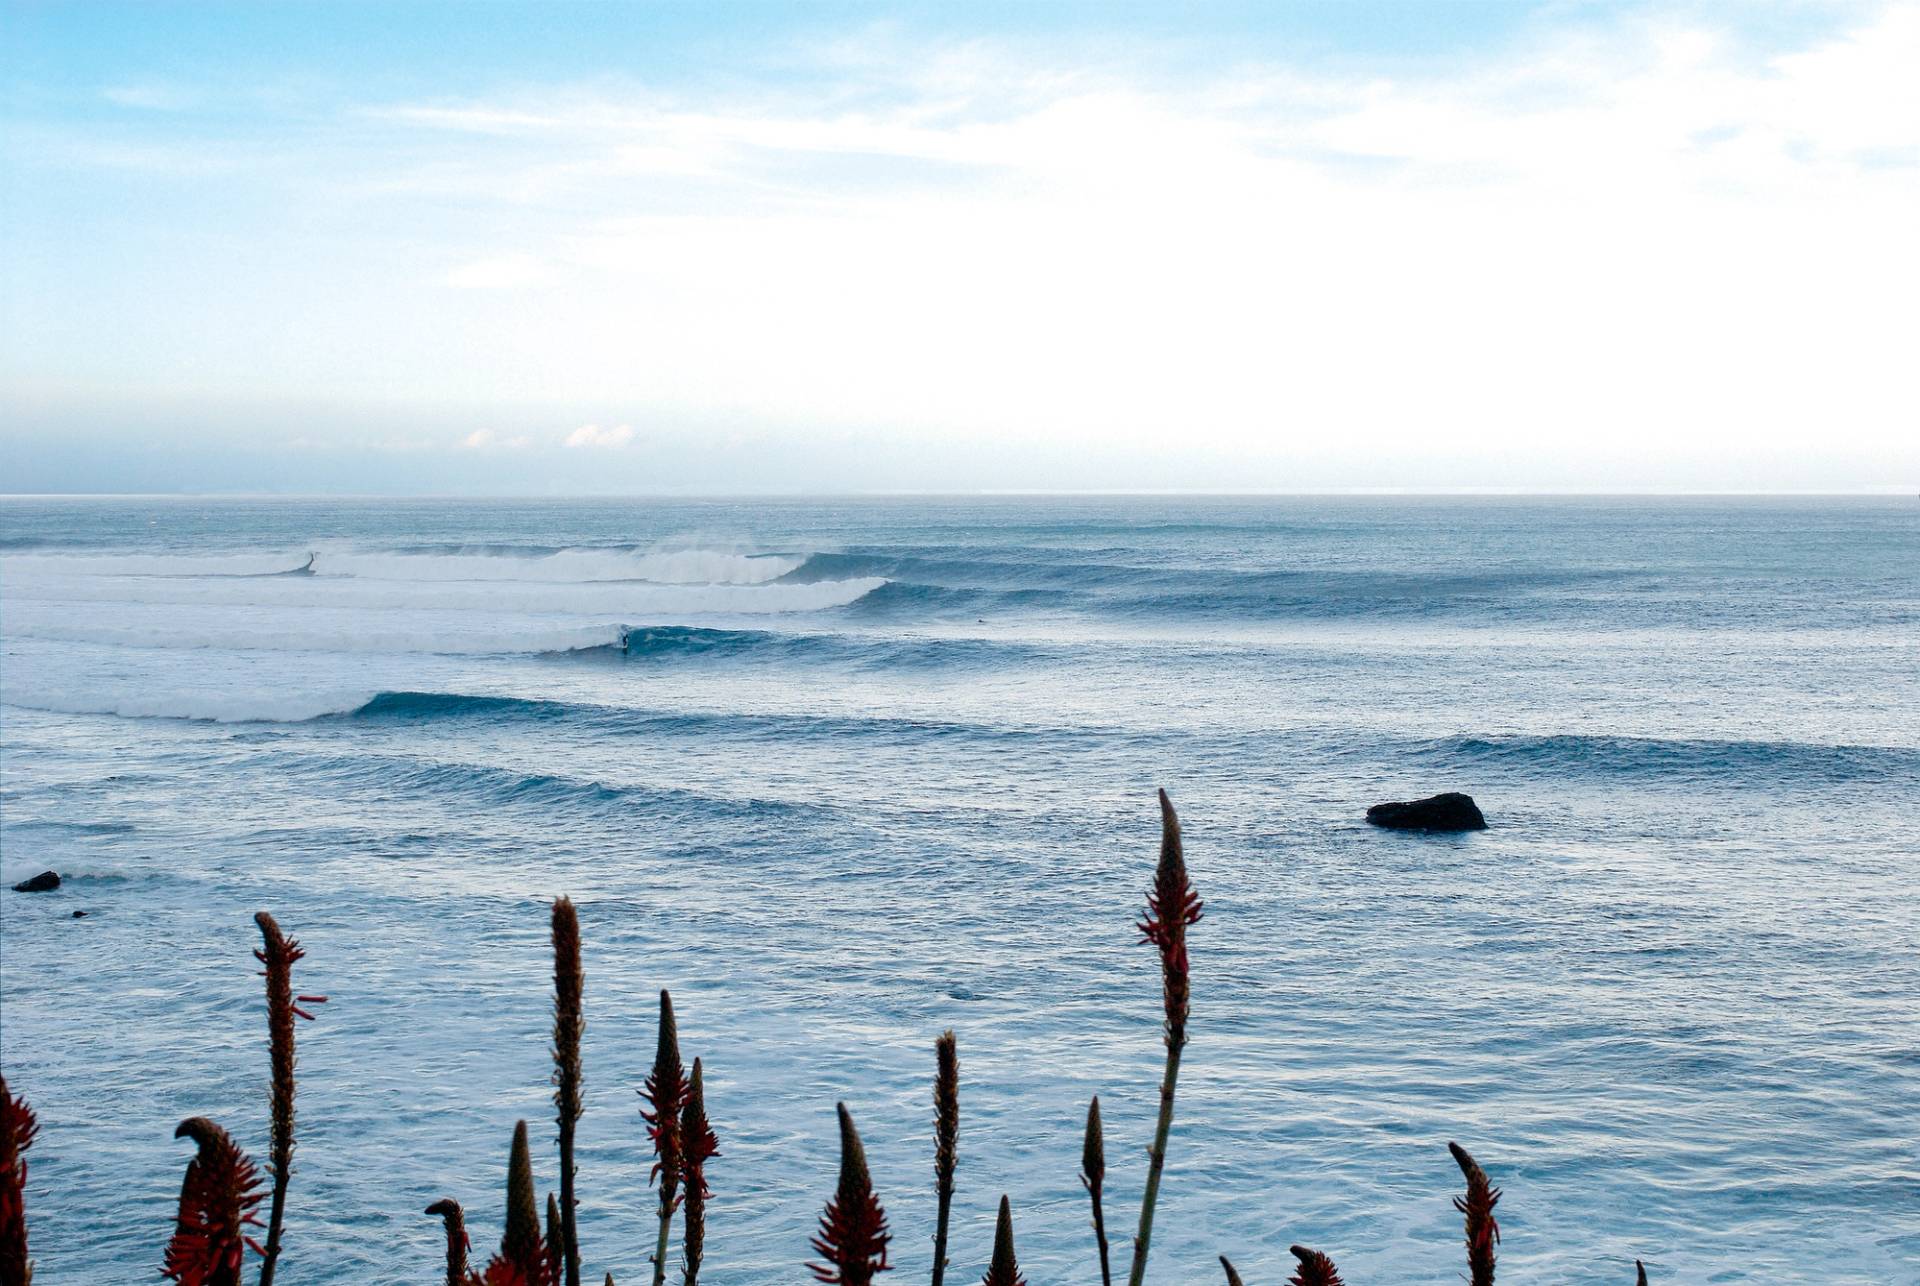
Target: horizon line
993	493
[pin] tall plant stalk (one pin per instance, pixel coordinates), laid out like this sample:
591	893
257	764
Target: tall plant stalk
568	1024
946	1141
278	954
1093	1174
666	1094
1171	907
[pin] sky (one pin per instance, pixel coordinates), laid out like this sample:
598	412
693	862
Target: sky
736	248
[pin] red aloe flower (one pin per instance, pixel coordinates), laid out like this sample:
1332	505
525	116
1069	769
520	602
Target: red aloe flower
500	1272
217	1198
1171	907
522	1249
1315	1269
1004	1270
666	1094
697	1146
1483	1231
853	1232
17	1130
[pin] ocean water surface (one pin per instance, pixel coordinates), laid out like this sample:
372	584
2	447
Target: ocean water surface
844	774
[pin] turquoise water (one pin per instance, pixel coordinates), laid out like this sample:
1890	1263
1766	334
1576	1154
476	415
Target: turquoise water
843	774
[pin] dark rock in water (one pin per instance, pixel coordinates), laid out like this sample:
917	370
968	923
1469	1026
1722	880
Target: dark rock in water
45	882
1449	812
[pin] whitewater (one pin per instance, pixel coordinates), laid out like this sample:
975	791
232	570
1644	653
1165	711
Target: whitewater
843	774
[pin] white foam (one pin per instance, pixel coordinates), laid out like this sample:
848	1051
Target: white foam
324	636
624	600
681	567
267	563
245	705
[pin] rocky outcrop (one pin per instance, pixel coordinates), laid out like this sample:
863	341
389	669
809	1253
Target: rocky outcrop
45	882
1449	812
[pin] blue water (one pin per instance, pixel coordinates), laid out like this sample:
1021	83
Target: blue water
844	774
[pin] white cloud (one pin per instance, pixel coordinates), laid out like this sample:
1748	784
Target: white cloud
592	435
488	440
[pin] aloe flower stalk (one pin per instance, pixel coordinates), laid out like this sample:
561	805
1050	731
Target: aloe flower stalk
1315	1269
1093	1175
697	1146
946	1141
1005	1269
556	1259
17	1130
853	1233
217	1197
1171	907
522	1258
455	1221
278	954
1483	1231
568	1024
1233	1278
666	1094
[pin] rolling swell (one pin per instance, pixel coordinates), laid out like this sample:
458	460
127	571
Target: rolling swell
1688	760
454	706
662	643
1117	585
419	706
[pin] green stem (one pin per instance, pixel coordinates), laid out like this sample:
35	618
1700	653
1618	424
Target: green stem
271	1258
1156	1159
660	1250
1100	1235
940	1233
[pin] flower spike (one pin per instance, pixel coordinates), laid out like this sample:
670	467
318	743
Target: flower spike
1315	1269
853	1233
1005	1270
666	1094
18	1129
697	1146
217	1197
1483	1231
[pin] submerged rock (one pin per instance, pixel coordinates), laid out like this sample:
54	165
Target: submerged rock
45	882
1449	812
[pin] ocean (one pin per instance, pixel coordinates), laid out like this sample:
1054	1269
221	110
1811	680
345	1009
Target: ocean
844	773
